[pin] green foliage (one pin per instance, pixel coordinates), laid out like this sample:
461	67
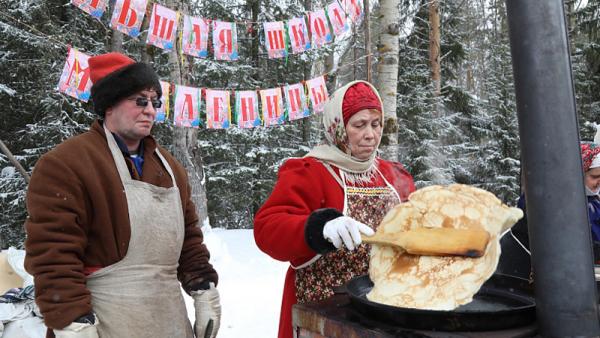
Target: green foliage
466	135
469	134
586	67
33	116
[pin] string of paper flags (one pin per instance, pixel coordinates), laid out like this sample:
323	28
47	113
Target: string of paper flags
290	102
280	37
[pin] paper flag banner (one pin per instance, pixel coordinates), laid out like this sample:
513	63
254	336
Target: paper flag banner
163	27
225	40
187	106
218	110
319	29
75	79
128	16
272	106
295	101
162	113
94	8
298	33
246	108
275	39
195	36
317	91
354	9
338	19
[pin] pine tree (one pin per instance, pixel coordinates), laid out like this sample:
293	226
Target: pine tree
586	67
34	117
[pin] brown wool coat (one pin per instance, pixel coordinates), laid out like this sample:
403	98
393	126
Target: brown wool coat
78	218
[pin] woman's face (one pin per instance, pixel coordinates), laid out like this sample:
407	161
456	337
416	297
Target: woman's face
592	179
364	133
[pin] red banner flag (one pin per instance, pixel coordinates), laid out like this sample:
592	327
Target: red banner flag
75	79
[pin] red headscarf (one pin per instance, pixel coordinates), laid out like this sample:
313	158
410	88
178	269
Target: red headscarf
358	97
589	151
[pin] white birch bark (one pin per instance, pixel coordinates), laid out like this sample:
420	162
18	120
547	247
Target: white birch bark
387	75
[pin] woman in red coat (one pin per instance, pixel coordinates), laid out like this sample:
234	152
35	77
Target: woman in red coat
322	202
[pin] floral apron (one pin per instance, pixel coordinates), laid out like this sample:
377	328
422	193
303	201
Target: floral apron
368	205
140	296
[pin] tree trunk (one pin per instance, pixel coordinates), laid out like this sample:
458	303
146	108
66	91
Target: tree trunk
434	46
387	75
368	40
14	161
116	41
185	140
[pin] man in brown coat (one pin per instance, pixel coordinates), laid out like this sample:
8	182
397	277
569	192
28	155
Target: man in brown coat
112	232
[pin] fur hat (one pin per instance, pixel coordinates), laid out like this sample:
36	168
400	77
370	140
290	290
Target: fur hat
116	76
358	97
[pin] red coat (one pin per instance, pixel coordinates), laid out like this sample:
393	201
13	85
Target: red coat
303	186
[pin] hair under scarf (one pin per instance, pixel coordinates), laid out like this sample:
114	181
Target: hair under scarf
335	150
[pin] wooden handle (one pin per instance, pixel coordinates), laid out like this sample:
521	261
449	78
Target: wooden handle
435	241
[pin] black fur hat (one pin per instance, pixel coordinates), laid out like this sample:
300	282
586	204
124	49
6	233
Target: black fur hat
111	86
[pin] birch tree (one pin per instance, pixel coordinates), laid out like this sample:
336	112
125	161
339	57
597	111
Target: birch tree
387	74
185	140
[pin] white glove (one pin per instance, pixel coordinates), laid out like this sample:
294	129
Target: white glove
78	330
345	230
208	312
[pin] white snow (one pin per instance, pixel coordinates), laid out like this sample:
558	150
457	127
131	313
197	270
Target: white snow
250	284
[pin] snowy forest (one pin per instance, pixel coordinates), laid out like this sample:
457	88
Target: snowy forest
443	68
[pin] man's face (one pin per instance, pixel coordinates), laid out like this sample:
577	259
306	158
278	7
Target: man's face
130	121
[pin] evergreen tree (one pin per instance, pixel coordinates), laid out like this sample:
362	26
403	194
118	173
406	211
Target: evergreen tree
586	67
34	117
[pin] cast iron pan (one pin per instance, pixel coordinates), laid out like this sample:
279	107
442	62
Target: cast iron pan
503	302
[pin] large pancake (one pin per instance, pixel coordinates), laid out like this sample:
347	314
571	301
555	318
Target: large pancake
438	283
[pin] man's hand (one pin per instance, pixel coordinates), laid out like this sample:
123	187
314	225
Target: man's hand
79	330
208	312
346	230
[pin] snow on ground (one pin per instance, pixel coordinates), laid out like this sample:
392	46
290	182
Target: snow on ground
250	285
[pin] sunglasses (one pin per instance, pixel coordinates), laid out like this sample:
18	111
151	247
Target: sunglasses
143	102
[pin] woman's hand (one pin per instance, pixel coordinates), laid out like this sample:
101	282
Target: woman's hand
346	230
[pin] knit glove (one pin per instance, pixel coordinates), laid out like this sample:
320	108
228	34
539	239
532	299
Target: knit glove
208	312
79	330
346	230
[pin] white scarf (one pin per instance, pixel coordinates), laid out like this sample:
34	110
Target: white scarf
335	150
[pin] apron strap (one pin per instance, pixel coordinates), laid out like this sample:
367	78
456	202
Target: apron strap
117	156
332	172
167	166
389	185
307	263
120	159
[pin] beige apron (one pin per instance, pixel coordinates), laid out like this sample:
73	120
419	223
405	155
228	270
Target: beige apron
318	279
140	295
